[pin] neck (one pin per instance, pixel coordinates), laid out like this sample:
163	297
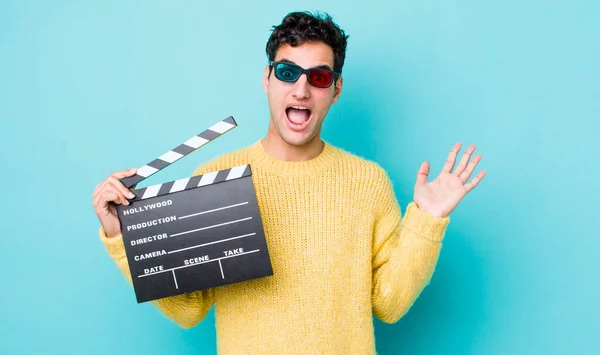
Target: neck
279	149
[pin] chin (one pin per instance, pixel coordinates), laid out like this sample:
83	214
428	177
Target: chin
298	140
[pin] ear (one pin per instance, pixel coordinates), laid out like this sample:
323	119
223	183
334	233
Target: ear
337	91
266	79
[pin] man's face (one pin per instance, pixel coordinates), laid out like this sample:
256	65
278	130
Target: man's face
300	126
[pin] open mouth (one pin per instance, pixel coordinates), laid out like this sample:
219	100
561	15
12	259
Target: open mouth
298	117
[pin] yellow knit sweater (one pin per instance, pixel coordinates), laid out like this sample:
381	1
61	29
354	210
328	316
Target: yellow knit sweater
340	253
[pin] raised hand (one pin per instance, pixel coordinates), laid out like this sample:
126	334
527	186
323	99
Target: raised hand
442	195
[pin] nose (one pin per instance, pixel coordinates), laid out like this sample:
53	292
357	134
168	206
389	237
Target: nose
300	90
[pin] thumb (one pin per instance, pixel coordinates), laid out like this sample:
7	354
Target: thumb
423	173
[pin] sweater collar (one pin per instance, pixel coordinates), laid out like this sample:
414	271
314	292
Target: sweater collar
261	159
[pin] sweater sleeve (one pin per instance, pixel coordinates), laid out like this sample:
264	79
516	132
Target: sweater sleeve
405	253
186	310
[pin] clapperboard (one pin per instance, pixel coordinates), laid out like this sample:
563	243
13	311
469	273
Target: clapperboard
194	233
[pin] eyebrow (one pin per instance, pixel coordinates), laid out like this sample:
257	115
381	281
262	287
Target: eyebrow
324	66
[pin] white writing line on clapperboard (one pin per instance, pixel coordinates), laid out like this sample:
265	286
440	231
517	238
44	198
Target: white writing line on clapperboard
174	278
209	227
216	209
220	267
218	241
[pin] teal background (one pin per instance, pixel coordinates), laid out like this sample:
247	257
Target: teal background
87	88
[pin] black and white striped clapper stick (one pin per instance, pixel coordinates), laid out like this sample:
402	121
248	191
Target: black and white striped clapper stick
179	152
193	233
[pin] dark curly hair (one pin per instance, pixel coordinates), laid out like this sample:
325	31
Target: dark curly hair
299	27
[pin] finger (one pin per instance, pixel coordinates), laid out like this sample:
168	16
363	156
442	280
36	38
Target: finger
464	160
423	173
447	168
120	187
99	189
96	189
111	194
466	174
122	199
471	184
101	204
113	181
117	175
124	173
105	198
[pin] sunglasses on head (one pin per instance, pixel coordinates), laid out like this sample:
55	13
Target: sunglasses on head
288	72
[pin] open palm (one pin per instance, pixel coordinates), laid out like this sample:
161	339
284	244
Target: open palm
442	195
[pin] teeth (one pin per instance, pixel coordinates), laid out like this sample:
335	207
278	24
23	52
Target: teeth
299	108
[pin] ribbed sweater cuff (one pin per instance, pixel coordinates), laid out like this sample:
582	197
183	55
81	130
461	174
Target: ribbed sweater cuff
114	245
424	224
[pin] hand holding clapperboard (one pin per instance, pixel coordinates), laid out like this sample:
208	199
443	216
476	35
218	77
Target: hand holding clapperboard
194	233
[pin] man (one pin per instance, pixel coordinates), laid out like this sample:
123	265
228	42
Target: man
339	248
